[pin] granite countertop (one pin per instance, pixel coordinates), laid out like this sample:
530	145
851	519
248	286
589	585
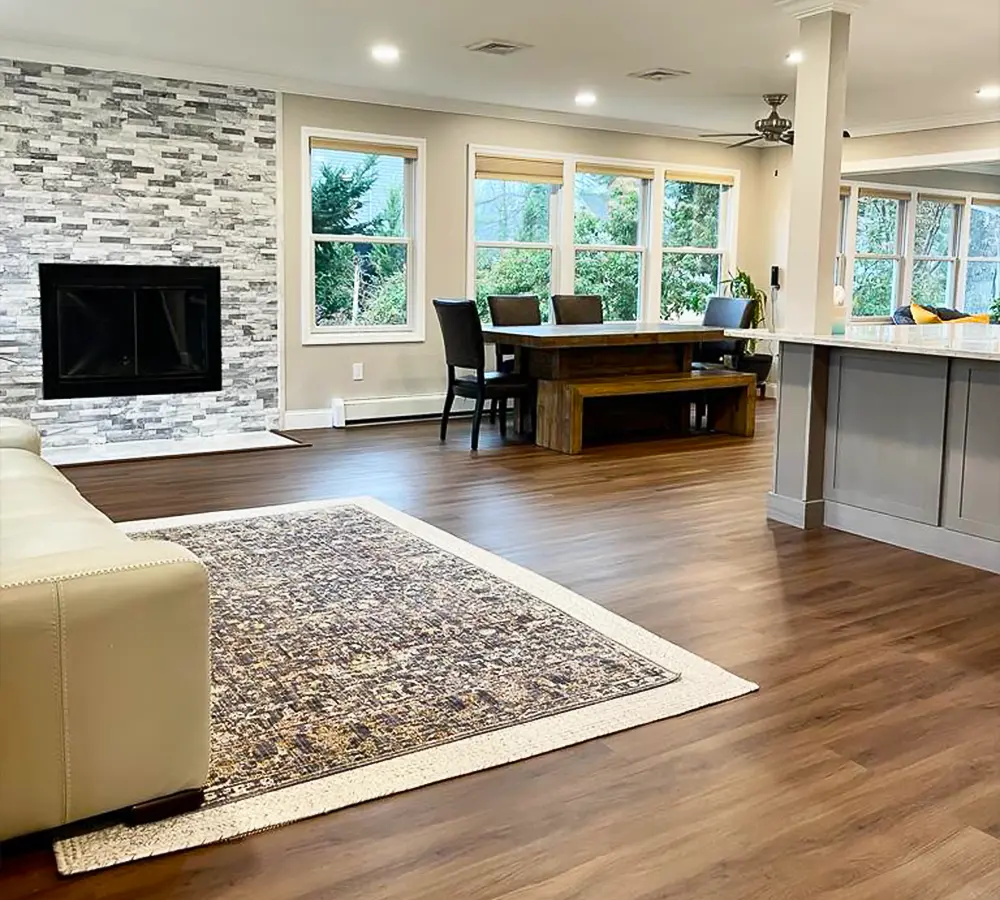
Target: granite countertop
968	341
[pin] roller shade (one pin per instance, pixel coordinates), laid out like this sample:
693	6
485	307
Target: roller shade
513	168
617	171
845	190
983	201
367	147
884	194
938	198
701	177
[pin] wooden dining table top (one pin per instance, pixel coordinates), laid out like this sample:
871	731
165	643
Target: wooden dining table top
610	334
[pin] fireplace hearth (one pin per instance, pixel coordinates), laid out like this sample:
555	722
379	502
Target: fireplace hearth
119	330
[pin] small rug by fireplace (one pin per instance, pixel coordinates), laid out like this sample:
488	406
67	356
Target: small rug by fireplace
358	652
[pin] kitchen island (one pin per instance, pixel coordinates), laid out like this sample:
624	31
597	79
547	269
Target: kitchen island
893	433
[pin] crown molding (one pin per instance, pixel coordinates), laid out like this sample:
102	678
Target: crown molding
803	9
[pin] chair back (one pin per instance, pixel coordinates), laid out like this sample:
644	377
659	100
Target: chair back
578	309
512	309
462	332
725	312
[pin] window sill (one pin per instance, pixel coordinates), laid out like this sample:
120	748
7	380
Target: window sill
329	338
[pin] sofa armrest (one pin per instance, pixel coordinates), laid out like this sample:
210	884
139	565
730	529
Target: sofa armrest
104	681
17	434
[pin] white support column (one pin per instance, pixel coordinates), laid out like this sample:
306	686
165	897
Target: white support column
820	101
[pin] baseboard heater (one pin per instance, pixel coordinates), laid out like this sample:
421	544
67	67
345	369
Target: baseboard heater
343	412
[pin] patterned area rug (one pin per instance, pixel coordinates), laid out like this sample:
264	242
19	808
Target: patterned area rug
359	652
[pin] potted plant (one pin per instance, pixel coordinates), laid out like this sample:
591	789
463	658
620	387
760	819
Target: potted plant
742	285
995	312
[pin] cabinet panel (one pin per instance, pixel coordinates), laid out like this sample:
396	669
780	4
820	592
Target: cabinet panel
972	475
885	433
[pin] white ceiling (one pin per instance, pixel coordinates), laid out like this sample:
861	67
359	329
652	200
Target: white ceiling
914	63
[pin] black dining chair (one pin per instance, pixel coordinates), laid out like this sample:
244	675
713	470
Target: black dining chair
464	349
578	309
511	310
721	312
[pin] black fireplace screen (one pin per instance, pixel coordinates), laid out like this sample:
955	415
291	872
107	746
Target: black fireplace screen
110	330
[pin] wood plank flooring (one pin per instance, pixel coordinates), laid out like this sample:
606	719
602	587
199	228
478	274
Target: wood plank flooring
867	768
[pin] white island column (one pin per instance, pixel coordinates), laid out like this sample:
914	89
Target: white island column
806	305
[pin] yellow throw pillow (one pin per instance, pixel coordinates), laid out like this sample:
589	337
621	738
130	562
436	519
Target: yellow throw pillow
978	318
923	316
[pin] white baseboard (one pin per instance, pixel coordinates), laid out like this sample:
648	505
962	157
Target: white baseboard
343	412
797	513
771	391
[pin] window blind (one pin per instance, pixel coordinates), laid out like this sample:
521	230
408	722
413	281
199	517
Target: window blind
939	198
983	201
618	171
701	177
512	168
884	193
367	147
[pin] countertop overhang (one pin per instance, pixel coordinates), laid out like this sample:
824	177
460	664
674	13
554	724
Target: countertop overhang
968	341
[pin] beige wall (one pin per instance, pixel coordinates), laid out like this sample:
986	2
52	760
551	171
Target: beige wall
869	150
940	179
313	375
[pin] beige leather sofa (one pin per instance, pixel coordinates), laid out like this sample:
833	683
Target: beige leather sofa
104	660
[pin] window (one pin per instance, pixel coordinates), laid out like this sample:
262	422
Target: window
695	235
514	220
878	257
935	251
982	273
840	265
362	216
609	216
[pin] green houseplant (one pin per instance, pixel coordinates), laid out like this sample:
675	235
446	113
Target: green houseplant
742	285
995	311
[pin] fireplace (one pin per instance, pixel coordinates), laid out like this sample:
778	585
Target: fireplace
111	330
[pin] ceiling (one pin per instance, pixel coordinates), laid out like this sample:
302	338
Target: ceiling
908	70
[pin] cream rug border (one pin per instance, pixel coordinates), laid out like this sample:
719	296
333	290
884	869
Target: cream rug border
701	684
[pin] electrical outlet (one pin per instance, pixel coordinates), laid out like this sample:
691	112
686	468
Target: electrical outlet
359	371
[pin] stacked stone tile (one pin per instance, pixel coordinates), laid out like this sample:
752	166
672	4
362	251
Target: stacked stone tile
106	167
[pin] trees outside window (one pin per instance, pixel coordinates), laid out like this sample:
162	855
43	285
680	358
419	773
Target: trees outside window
935	251
878	254
361	237
694	226
982	274
512	223
607	234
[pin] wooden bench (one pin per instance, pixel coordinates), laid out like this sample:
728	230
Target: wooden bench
731	408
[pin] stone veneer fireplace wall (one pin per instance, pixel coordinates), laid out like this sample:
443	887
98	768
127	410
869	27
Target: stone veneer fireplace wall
107	167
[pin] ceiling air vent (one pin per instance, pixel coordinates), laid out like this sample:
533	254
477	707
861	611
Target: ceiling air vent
658	74
497	48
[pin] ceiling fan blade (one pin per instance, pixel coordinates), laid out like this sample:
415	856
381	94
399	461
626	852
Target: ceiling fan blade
752	140
735	134
847	134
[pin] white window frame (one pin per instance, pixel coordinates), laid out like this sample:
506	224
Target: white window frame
904	240
640	249
966	260
728	218
964	199
562	233
415	230
951	299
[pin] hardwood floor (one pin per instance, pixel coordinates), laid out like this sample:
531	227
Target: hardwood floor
866	768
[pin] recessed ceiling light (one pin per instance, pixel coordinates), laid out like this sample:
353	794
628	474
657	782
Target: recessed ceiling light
385	53
990	92
586	98
795	57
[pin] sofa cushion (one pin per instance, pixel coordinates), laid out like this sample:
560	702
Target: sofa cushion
19	435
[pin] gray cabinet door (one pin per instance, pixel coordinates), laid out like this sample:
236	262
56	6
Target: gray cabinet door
972	474
885	433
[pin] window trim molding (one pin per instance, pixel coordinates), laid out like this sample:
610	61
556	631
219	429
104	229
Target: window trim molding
562	236
414	332
907	252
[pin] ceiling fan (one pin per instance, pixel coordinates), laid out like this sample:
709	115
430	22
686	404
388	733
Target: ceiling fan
774	128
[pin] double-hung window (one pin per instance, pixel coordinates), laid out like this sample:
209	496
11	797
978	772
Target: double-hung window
982	272
937	227
515	217
610	213
364	271
696	226
878	257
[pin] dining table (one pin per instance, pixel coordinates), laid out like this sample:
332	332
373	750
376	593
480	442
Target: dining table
632	378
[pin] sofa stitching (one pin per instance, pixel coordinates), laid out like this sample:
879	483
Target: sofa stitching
109	570
60	636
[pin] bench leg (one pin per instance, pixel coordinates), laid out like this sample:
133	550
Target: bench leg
733	412
559	424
